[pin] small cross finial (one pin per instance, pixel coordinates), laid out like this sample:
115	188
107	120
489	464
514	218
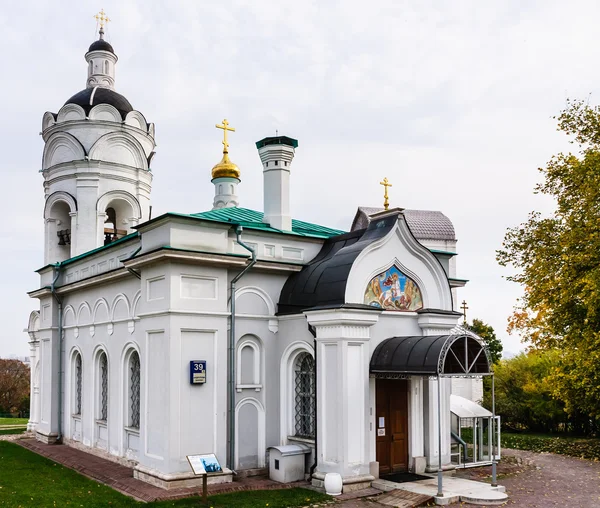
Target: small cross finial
386	184
225	127
101	19
464	309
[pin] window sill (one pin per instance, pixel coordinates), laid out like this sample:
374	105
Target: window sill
305	440
256	388
132	430
76	417
102	423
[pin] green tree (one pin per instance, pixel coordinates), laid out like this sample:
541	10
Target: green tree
557	262
487	333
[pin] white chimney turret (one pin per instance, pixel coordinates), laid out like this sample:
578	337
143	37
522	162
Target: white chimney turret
276	154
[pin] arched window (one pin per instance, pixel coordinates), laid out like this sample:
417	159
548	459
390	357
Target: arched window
103	408
134	390
304	396
78	385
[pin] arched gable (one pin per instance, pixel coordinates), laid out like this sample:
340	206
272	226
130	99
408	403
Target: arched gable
62	147
48	120
254	300
121	148
105	112
59	196
70	112
401	249
69	317
137	120
33	325
101	311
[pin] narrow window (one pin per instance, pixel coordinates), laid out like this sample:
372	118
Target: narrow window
134	390
103	387
277	163
304	396
91	67
105	66
78	382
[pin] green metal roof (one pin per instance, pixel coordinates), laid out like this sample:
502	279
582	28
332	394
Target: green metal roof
277	140
252	219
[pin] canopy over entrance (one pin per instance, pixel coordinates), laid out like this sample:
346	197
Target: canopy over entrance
443	355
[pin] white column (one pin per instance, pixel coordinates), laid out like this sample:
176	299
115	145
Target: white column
33	389
343	356
416	422
432	423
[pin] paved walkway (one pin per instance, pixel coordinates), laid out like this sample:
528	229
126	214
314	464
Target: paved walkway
121	477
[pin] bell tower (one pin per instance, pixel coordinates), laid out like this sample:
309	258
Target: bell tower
96	162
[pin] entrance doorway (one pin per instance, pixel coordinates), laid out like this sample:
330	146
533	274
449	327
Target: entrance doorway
391	422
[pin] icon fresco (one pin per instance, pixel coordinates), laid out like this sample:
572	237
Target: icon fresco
392	290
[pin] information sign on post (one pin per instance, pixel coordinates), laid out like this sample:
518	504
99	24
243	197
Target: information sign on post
197	372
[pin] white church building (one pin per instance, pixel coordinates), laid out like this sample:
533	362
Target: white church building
232	331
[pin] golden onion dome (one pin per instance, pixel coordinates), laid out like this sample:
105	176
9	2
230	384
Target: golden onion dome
225	168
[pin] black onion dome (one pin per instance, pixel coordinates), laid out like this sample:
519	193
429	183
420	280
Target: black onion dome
101	45
102	96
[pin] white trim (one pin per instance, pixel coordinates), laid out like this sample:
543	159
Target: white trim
286	387
261	442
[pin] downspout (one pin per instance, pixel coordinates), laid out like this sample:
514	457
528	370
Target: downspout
57	267
313	332
131	270
231	381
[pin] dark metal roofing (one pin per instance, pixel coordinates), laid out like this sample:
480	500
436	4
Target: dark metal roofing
322	282
277	140
101	45
102	96
424	224
461	355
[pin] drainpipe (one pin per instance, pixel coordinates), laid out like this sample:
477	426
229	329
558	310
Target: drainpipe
313	331
57	267
231	458
131	270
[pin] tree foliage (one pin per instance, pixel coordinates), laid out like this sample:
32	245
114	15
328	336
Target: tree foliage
14	385
557	262
487	333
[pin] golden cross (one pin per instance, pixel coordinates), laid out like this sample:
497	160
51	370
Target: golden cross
101	18
464	309
225	127
386	184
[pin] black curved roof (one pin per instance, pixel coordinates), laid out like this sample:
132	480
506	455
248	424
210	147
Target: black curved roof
102	96
101	45
322	282
431	355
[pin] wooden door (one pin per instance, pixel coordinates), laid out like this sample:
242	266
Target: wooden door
391	423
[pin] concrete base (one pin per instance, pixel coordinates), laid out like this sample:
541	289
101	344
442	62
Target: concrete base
454	490
179	480
246	473
349	484
419	464
46	438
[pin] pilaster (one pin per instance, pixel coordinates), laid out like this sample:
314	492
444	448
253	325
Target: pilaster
343	356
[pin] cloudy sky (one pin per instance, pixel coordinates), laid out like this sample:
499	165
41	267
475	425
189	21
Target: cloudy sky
452	101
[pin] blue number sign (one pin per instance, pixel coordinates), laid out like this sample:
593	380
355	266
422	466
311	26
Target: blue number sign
197	372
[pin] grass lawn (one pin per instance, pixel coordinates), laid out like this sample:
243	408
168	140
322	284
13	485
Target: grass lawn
28	479
13	421
585	448
7	432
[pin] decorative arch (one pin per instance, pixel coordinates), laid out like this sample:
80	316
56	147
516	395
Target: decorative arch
392	289
84	308
151	129
101	376
286	386
252	379
48	120
62	147
131	392
119	301
33	326
137	120
119	195
261	293
105	112
76	376
121	148
59	196
261	425
136	302
70	112
69	316
101	311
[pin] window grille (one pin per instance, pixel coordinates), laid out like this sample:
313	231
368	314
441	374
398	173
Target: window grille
134	362
103	387
78	384
304	396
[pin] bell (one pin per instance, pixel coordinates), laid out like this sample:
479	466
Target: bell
61	237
